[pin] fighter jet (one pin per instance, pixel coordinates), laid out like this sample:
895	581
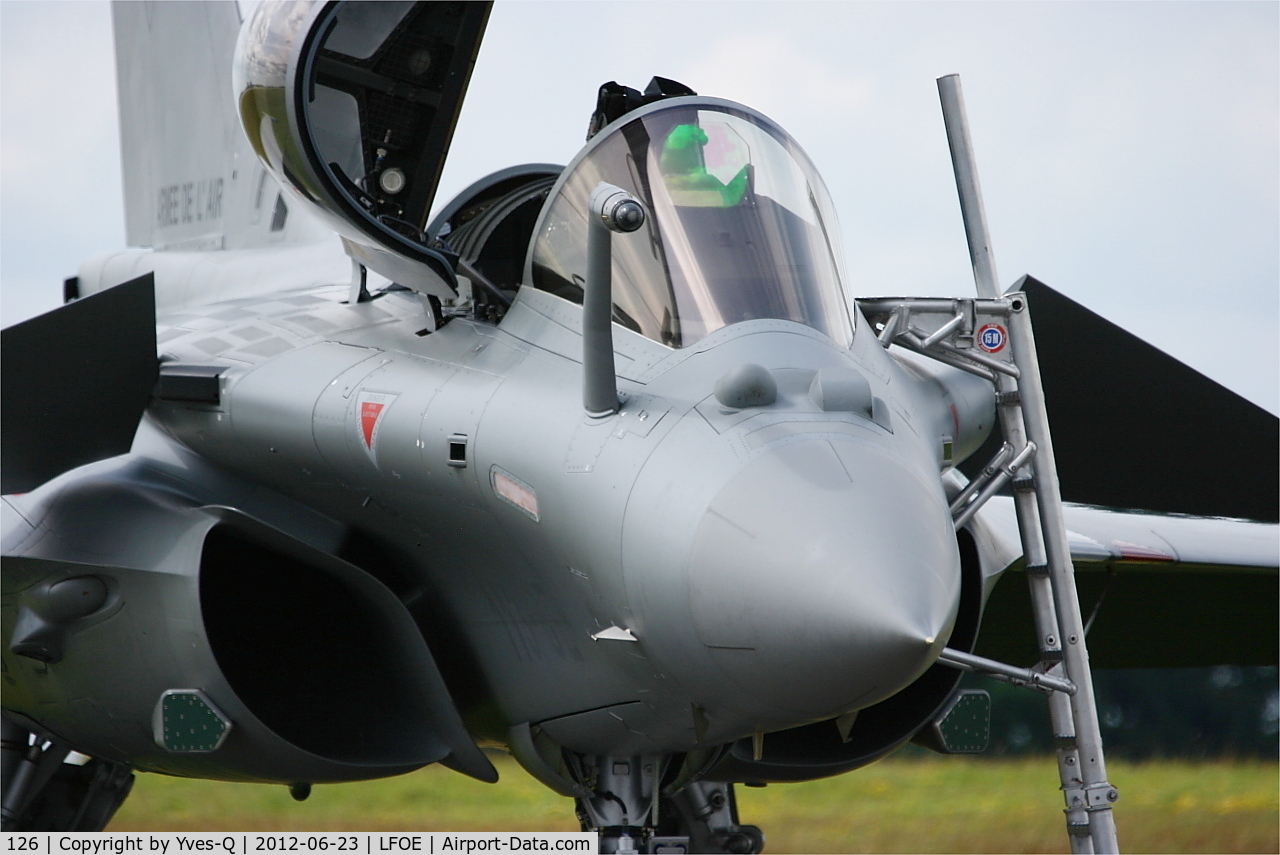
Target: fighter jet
601	465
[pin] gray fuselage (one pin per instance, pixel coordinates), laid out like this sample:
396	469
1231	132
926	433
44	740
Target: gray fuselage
774	565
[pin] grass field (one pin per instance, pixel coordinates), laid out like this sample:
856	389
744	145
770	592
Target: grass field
903	804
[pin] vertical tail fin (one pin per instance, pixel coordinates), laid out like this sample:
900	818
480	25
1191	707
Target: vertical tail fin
191	181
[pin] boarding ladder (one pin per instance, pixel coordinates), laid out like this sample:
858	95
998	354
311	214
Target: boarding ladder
991	336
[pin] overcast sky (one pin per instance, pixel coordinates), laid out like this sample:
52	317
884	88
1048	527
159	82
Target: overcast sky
1129	153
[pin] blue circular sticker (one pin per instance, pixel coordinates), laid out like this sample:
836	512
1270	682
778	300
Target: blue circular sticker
991	338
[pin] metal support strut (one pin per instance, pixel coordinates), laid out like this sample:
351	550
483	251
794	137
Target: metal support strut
992	337
622	799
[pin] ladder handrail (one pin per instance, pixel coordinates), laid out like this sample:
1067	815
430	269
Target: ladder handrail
1050	574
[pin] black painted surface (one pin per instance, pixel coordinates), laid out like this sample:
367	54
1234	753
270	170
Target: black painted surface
75	382
1133	427
1149	616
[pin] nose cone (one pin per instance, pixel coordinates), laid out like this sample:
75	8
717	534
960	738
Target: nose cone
824	578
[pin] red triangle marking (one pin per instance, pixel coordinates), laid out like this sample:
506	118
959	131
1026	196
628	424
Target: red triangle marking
369	413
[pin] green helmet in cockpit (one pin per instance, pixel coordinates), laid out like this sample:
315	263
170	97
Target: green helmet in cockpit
740	227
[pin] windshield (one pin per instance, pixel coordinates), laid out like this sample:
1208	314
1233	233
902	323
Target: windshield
740	226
